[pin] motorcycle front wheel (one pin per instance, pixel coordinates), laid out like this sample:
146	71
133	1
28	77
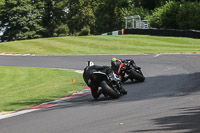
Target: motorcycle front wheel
109	91
137	75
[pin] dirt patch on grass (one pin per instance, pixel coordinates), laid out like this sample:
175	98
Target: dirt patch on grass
3	113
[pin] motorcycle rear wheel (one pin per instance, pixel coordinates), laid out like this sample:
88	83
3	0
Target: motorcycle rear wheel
109	91
137	75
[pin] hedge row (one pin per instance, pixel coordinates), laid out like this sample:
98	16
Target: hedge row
165	32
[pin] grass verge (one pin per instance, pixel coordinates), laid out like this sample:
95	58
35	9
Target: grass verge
127	44
21	87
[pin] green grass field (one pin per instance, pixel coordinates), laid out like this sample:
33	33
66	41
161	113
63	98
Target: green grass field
22	87
127	44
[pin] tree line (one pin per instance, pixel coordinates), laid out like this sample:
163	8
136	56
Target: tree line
28	19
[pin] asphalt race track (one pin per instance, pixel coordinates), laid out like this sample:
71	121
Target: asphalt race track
167	102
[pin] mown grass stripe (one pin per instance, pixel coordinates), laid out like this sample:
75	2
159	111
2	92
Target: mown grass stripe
126	44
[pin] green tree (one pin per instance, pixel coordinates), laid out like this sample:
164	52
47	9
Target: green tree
131	11
21	19
165	16
188	16
61	30
147	4
109	16
80	16
176	15
2	3
54	16
2	7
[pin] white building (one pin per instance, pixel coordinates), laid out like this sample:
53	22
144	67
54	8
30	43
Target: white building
135	22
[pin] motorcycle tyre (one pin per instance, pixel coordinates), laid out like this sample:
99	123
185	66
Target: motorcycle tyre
109	91
138	76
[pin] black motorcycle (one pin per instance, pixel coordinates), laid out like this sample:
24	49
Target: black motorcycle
132	72
108	84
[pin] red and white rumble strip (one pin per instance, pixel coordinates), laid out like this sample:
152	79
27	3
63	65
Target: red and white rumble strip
45	105
17	54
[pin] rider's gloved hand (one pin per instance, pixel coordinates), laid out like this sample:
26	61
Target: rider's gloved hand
123	68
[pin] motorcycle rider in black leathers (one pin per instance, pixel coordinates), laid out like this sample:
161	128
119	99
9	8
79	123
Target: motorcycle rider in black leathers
89	70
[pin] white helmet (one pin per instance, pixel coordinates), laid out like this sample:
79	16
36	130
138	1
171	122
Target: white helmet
90	63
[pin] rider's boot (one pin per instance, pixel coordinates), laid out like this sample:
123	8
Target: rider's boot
123	91
137	67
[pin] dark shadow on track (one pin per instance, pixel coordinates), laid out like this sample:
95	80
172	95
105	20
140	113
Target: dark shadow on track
188	120
163	86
